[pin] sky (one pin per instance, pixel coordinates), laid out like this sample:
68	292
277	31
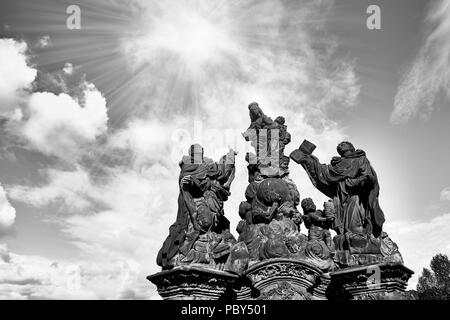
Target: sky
94	121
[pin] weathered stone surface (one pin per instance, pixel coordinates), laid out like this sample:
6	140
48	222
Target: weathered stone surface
352	184
321	286
238	260
377	281
283	279
273	259
200	234
194	283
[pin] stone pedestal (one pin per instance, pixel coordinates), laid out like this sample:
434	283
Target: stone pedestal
283	279
386	281
320	290
194	283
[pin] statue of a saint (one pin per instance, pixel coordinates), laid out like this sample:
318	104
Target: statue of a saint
201	231
352	184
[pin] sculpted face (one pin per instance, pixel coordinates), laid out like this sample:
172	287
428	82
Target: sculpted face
280	120
344	148
308	205
255	111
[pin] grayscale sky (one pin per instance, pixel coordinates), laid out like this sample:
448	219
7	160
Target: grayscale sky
94	121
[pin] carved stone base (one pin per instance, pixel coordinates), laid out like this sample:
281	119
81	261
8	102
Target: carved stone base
386	281
345	259
283	279
321	286
194	283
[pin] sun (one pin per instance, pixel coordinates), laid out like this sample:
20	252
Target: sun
195	35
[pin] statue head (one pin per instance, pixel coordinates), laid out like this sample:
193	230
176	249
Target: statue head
280	120
308	205
196	153
255	111
344	148
297	218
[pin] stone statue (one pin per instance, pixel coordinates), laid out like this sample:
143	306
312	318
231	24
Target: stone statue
272	259
318	222
319	248
352	184
270	225
201	233
269	139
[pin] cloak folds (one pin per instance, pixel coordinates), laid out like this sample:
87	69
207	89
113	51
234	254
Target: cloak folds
345	176
186	208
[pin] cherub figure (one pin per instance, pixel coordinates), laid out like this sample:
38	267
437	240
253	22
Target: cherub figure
318	222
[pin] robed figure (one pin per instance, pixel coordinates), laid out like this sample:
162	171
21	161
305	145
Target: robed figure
352	184
200	233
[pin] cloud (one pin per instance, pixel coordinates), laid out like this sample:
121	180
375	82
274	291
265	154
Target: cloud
419	241
34	277
16	76
44	42
68	68
275	53
445	194
72	188
7	212
62	118
129	207
60	124
429	73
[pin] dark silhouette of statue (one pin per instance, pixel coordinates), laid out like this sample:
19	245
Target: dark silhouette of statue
272	257
352	184
317	222
268	138
200	233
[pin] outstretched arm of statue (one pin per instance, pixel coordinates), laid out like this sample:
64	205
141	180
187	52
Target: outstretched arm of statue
317	172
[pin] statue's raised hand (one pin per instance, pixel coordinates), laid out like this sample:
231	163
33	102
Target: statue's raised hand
185	180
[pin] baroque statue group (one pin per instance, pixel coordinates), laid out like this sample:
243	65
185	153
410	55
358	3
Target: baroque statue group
273	213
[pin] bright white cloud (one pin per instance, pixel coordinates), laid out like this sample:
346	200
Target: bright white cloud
150	141
128	229
445	194
33	277
279	69
7	212
16	76
60	124
188	31
71	188
419	241
430	72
